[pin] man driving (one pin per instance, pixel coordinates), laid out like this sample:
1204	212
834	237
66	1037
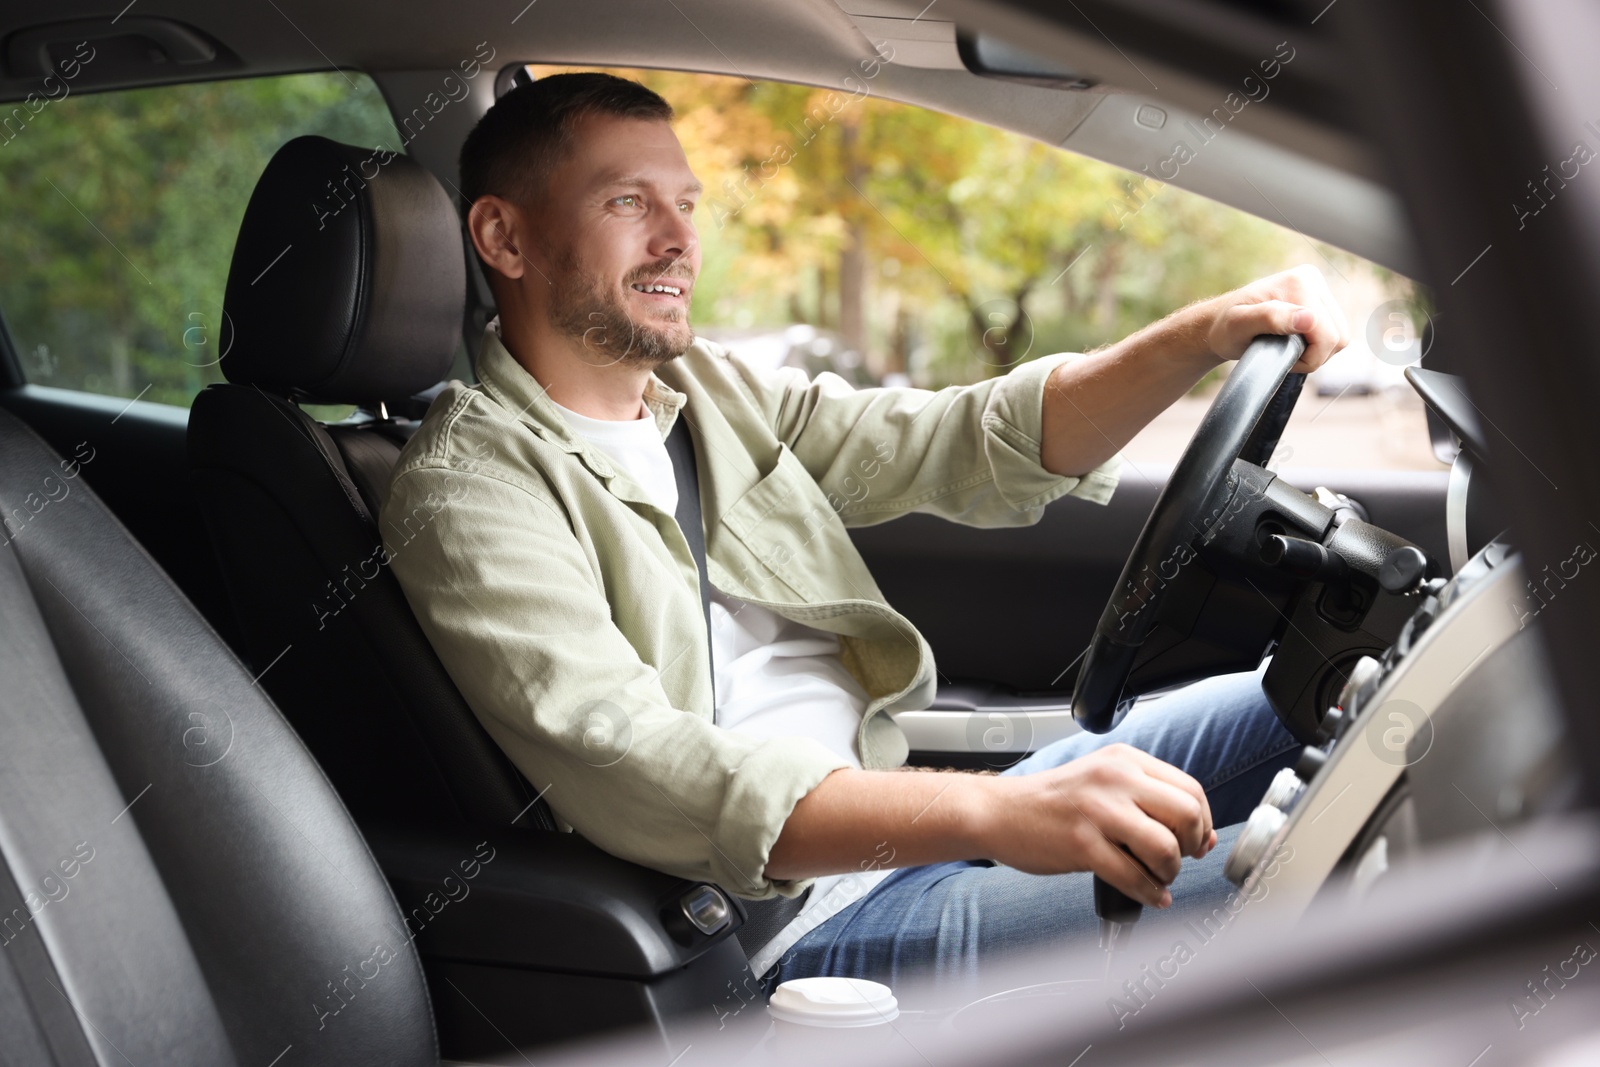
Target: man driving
533	524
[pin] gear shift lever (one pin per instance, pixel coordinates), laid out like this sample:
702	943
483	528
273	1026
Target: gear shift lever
1118	912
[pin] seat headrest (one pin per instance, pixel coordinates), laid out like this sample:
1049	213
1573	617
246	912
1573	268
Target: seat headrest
348	282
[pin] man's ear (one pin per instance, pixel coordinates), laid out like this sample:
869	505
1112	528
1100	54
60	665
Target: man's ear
498	231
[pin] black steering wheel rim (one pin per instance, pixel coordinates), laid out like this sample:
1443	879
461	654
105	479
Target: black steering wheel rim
1133	609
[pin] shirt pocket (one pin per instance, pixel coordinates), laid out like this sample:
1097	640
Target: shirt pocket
792	546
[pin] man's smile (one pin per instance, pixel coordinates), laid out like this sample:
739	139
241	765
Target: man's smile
674	292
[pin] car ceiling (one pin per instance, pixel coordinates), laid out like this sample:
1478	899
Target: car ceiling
1290	160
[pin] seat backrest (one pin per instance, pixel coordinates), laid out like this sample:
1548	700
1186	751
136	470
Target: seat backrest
348	285
179	883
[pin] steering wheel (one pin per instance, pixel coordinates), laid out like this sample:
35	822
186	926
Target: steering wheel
1176	519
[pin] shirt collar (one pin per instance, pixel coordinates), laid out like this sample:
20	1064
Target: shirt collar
510	383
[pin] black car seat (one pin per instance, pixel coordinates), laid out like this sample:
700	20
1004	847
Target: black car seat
179	883
348	286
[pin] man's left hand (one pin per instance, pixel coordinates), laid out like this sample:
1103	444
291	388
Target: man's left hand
1094	406
1295	301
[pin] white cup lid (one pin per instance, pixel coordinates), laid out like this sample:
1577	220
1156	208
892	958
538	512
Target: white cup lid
833	1002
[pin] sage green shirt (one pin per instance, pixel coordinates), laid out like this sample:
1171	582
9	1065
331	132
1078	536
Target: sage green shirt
566	606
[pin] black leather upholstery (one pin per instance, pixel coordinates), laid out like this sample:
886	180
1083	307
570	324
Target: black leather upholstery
327	623
348	281
370	312
179	884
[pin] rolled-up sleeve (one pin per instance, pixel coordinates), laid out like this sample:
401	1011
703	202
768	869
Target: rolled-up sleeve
511	601
970	454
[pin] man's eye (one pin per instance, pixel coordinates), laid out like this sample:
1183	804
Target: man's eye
686	207
626	201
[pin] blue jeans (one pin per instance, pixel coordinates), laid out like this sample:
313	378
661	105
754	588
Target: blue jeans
942	920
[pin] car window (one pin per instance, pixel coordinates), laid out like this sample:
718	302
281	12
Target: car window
894	244
121	214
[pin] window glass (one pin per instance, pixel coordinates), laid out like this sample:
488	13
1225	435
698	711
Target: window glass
121	214
889	243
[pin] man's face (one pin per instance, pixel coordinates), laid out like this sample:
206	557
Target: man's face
617	225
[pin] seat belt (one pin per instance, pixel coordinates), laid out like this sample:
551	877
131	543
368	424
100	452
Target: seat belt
680	448
765	918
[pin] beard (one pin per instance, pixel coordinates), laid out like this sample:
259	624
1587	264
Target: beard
587	309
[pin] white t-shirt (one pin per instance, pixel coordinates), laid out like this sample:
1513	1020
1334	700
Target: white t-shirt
771	677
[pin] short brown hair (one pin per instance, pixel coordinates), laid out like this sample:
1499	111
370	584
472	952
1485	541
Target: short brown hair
513	148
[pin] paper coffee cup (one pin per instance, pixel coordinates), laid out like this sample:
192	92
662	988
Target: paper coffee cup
823	1016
